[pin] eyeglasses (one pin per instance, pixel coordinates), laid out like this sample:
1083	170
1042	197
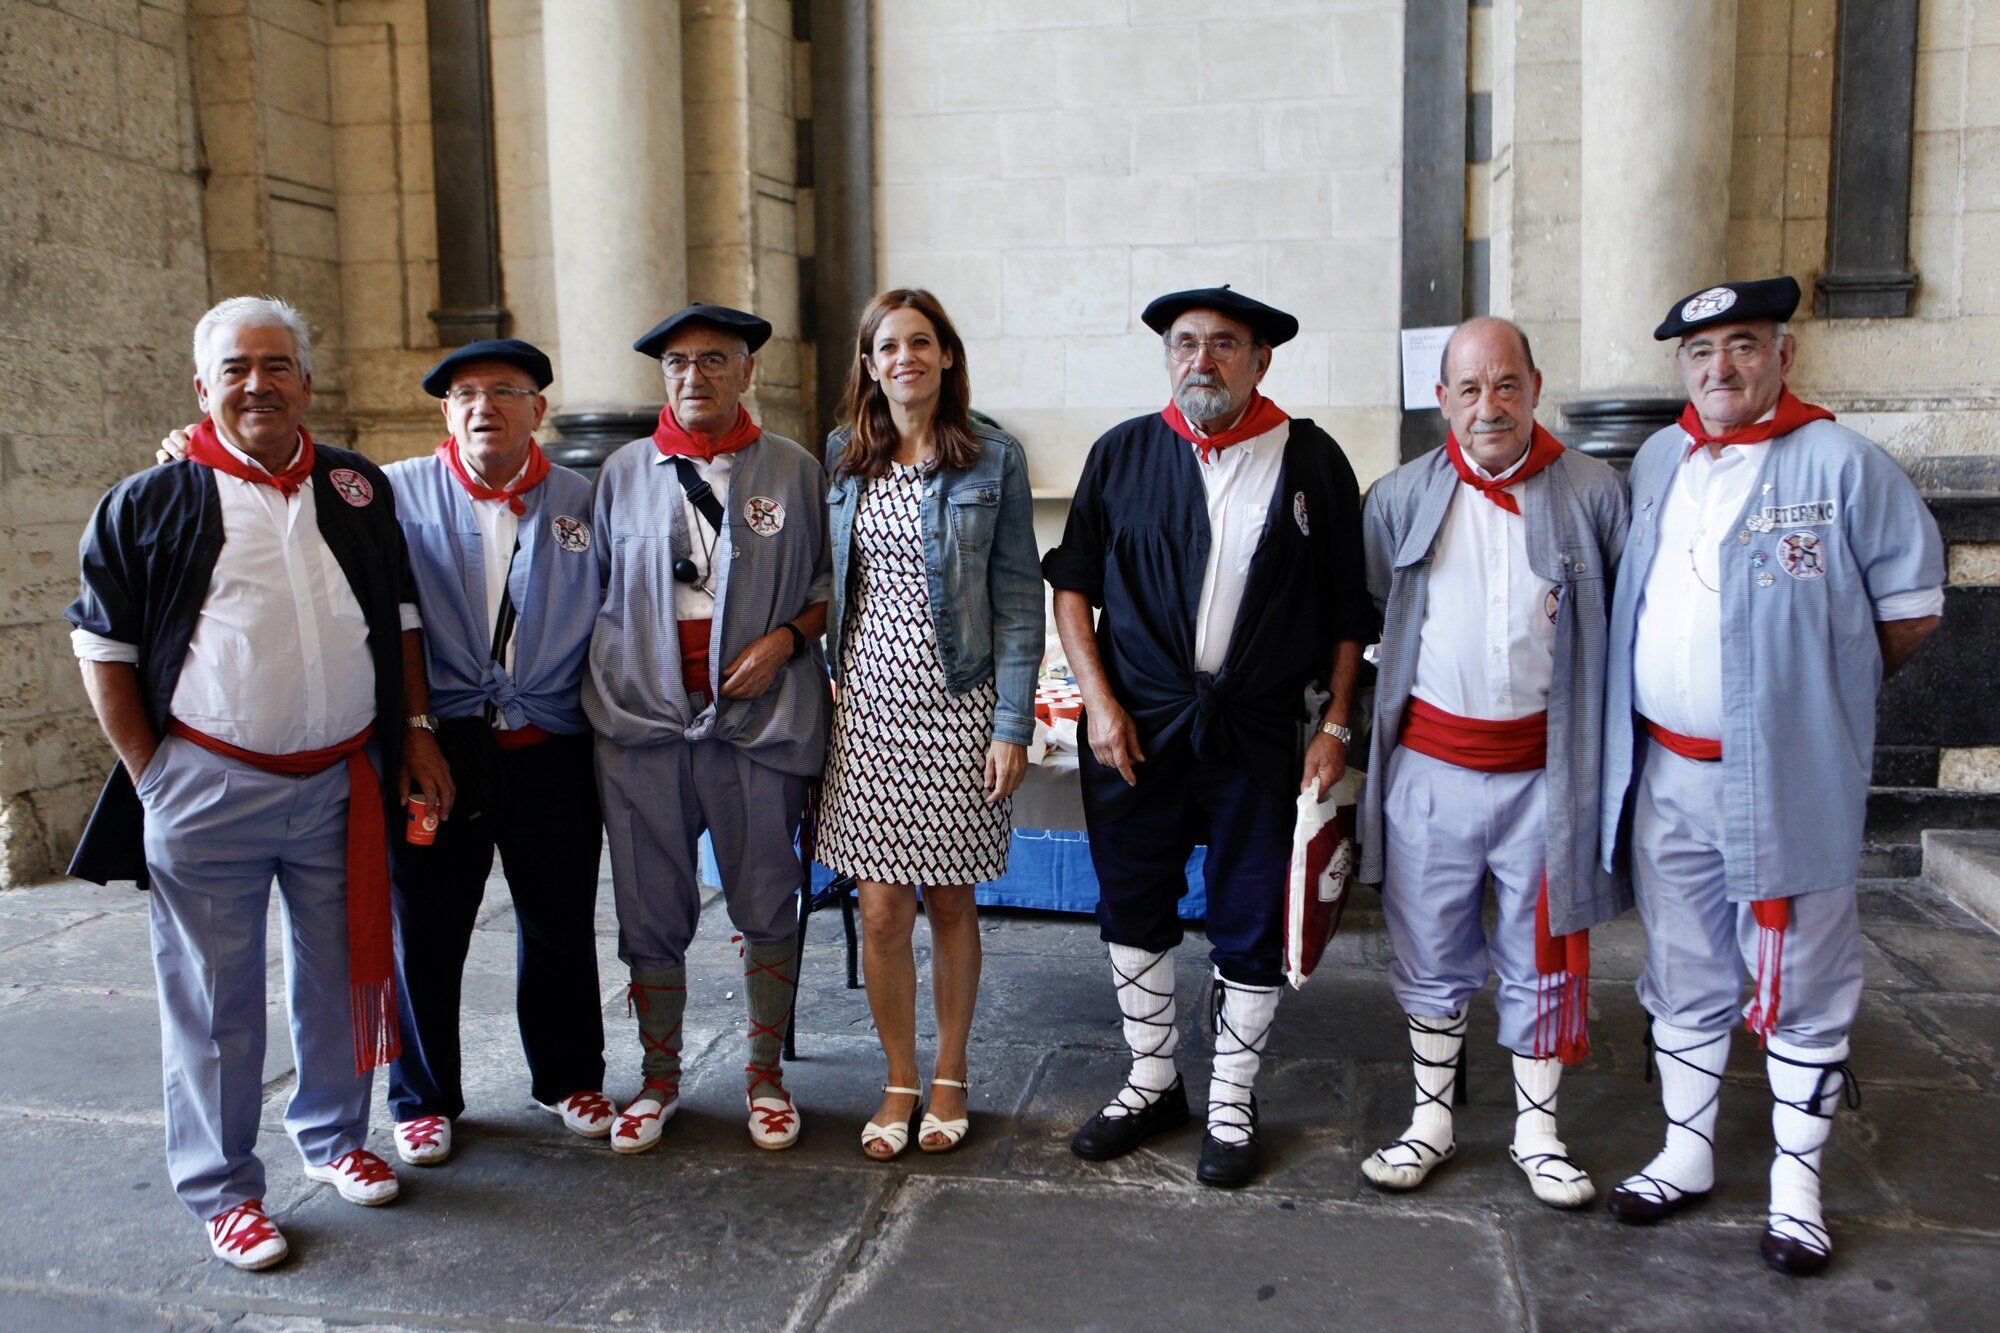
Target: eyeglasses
498	397
1221	348
1736	349
710	364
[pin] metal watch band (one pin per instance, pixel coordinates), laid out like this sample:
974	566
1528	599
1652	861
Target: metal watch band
1338	732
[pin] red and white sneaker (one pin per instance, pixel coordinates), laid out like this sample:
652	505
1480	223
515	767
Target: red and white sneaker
586	1113
244	1238
424	1141
774	1121
360	1177
641	1123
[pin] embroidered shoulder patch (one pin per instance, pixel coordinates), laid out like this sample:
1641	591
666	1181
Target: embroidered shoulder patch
351	486
1803	555
765	516
572	534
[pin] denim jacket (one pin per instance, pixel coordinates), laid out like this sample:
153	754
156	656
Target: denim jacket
986	596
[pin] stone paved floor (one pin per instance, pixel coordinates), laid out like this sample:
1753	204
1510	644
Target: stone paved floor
529	1227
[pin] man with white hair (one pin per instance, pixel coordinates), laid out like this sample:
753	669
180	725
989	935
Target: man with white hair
1222	538
247	628
1778	567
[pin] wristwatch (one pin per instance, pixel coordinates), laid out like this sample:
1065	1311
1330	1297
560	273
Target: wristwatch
1338	732
422	722
799	641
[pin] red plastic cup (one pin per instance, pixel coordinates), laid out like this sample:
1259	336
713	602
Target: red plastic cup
423	829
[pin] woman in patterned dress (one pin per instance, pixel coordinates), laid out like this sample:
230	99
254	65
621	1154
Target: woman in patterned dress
934	640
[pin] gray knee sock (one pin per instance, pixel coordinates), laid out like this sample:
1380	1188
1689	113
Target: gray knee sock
660	1000
770	981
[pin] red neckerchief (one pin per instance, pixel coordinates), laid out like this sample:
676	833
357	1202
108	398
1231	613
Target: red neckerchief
206	448
1261	416
531	476
670	439
1542	450
1791	414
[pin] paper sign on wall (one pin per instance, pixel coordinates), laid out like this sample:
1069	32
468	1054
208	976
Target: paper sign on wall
1421	350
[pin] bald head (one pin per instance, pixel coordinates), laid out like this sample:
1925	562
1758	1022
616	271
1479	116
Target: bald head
1487	389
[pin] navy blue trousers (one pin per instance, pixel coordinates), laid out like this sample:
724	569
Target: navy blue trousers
1141	859
546	827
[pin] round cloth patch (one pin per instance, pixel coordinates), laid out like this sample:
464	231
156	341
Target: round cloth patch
765	516
1299	513
1708	304
1552	603
1803	555
351	486
572	534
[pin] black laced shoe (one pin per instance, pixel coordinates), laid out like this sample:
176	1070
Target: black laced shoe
1104	1137
1230	1165
1793	1257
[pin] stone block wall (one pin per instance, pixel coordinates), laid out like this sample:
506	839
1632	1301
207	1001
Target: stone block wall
103	271
1048	169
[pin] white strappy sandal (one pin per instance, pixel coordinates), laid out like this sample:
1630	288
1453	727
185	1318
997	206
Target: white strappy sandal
953	1131
897	1136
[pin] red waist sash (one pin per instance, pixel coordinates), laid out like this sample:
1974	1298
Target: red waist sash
694	656
521	737
1516	745
370	973
1687	747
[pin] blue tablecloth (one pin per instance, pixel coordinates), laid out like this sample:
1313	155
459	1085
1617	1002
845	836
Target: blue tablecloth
1047	869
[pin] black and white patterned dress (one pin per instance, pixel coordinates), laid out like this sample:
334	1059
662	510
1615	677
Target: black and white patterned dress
904	800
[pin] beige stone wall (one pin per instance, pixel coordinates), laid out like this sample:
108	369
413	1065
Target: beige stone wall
105	272
1048	169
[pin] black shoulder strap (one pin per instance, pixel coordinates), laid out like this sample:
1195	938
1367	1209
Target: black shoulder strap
698	492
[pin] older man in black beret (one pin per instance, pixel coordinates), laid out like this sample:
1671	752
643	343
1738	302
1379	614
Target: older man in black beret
709	697
1221	539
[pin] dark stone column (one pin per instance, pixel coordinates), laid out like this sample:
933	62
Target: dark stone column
842	275
1434	145
1868	192
467	190
583	440
1613	428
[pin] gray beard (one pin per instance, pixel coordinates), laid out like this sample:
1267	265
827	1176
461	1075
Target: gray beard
1200	403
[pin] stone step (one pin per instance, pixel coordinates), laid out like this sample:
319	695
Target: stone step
1965	867
1901	815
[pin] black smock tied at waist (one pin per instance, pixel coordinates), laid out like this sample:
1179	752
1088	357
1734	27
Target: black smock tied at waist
1137	545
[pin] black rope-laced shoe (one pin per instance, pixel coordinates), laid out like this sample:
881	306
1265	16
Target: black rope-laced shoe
1231	1165
1107	1135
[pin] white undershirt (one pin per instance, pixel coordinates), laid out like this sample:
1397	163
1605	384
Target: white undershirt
695	601
279	660
1487	645
1239	480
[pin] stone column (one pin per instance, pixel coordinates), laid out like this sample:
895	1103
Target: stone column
612	71
1659	79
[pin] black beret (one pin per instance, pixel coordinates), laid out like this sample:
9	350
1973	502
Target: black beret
512	351
1731	303
753	331
1274	326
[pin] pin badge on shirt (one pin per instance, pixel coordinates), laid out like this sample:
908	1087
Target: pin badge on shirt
1299	513
765	516
1803	555
572	534
351	486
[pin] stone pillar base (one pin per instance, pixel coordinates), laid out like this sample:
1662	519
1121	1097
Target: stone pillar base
585	439
1613	428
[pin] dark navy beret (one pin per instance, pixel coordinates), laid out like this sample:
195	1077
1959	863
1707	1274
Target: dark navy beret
753	331
512	351
1731	303
1274	326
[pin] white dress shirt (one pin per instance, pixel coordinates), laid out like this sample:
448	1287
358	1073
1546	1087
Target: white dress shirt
1487	646
696	601
499	530
1239	480
279	660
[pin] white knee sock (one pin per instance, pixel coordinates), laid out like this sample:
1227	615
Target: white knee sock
1538	1149
1243	1017
1435	1047
1806	1084
1146	999
1690	1065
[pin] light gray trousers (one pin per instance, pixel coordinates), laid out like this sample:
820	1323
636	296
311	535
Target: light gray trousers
217	833
1701	947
